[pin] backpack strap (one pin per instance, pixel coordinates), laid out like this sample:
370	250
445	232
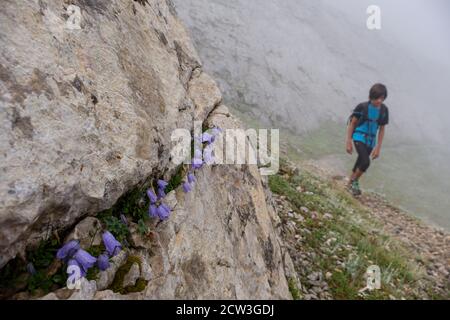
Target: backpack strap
364	111
383	119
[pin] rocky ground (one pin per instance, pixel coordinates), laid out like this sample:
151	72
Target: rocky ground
431	244
333	238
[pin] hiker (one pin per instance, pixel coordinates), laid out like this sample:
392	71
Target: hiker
367	119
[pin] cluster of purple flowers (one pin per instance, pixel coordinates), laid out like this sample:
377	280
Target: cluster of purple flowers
206	156
199	159
157	208
72	254
160	210
187	183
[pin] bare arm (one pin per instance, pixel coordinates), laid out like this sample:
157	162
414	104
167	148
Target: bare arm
377	149
350	129
380	136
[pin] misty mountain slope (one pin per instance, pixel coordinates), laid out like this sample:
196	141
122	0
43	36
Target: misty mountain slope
301	62
302	66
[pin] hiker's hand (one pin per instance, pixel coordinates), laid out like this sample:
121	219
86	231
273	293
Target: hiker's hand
375	153
349	147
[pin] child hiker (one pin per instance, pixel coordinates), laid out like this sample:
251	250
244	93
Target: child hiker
367	120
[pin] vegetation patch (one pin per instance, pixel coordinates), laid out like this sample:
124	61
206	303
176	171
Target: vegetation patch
347	242
293	289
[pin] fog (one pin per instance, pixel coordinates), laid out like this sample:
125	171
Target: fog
303	65
420	26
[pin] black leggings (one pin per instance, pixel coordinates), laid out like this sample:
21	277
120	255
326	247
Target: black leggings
363	161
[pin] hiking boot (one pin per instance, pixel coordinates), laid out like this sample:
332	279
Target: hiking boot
355	188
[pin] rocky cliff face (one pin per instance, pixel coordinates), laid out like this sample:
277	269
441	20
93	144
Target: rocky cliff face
303	65
86	114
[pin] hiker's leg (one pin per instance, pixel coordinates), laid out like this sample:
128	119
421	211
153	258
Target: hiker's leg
363	161
357	174
355	167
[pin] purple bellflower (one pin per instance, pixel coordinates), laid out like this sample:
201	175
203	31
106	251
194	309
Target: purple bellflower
68	250
84	259
186	187
163	211
161	193
152	196
206	137
191	177
197	163
111	244
103	261
162	184
152	211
